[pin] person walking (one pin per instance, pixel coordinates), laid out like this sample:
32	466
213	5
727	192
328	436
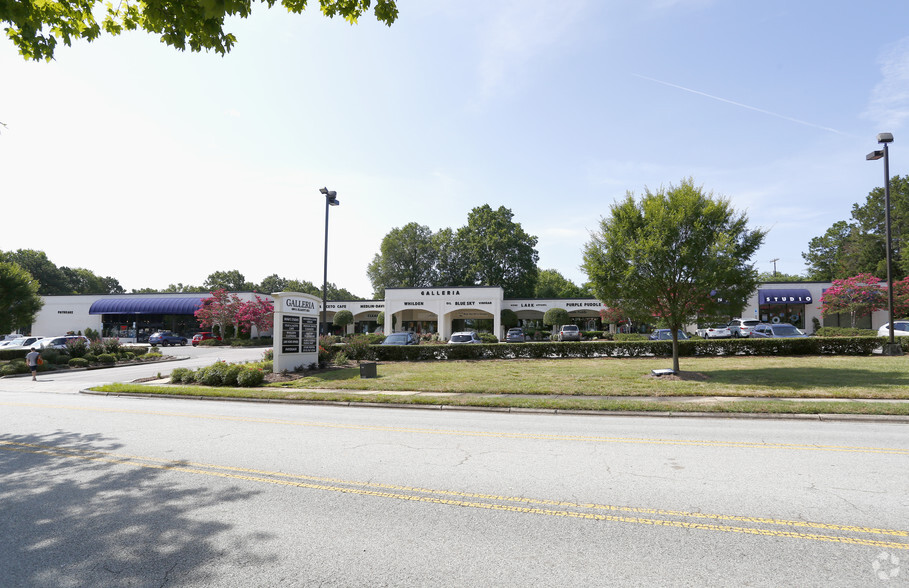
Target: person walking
31	358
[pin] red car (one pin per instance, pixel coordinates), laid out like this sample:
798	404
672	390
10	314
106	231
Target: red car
199	337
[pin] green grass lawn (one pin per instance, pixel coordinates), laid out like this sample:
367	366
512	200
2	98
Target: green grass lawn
823	377
844	385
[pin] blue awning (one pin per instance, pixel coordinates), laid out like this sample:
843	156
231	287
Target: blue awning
147	305
785	296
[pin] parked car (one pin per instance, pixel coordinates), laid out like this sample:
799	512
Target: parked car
199	337
22	343
515	335
666	335
776	331
715	332
740	327
61	342
569	333
400	339
900	329
464	337
165	338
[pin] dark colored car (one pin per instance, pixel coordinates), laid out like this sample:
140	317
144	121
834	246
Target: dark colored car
666	335
165	338
400	339
515	335
199	337
569	333
776	331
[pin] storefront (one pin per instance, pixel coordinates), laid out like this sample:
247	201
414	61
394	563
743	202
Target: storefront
784	305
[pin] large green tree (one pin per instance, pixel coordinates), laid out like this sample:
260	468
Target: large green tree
51	279
19	298
858	246
552	284
231	280
35	27
676	254
499	251
407	258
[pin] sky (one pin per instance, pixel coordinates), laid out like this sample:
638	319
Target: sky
154	166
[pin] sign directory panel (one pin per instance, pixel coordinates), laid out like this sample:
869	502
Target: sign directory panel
296	330
290	334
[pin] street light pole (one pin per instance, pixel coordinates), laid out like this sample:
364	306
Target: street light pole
331	199
891	348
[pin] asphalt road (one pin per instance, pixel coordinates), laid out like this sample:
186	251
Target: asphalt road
105	491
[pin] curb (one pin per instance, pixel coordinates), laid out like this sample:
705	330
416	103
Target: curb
868	418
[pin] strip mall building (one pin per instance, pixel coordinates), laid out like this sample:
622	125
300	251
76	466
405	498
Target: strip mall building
442	310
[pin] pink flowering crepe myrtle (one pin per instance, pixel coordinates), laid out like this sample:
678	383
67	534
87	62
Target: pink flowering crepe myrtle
858	296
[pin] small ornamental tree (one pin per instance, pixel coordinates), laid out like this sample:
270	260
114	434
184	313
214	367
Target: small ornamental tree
259	313
555	317
508	318
221	309
901	298
343	318
857	296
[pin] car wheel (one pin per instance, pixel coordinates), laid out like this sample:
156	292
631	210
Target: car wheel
183	342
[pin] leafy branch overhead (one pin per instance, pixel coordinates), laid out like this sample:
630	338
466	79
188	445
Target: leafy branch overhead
36	26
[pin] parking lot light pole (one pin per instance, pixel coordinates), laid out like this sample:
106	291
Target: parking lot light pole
891	347
331	199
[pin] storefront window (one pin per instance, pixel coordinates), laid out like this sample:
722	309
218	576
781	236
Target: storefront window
793	314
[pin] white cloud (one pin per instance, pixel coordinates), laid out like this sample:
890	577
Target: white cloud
889	103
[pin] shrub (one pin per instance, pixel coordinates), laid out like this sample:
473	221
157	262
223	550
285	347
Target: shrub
90	357
152	355
488	338
268	354
92	334
178	375
340	358
211	343
76	348
845	332
250	377
129	356
630	337
15	367
107	358
230	374
112	345
135	349
51	356
357	348
78	362
257	342
96	348
212	375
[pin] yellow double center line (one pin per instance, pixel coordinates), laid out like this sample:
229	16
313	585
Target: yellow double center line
846	534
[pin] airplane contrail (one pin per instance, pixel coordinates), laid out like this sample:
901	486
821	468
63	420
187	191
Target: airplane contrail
761	110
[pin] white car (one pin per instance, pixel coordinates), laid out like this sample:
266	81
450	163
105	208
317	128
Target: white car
900	329
715	332
22	343
59	343
740	327
463	337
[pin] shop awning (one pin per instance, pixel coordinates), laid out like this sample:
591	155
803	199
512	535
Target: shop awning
146	305
784	296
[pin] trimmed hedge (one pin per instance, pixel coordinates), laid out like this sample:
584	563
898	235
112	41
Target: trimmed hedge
586	349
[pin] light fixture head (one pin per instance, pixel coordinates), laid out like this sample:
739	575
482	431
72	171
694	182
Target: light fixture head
885	138
874	155
332	201
324	191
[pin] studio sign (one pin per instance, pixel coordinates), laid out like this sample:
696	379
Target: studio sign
784	299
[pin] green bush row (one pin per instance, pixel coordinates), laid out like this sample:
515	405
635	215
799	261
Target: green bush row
631	348
224	374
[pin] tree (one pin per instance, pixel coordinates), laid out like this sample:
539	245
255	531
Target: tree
901	298
664	255
259	313
407	259
499	252
856	296
823	256
221	310
551	284
19	298
555	317
51	279
83	281
343	318
452	263
273	283
36	27
231	280
508	318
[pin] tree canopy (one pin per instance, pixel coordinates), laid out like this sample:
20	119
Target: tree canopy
858	246
676	254
491	250
19	298
552	284
53	280
36	27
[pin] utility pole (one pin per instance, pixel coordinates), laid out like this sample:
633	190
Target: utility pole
773	261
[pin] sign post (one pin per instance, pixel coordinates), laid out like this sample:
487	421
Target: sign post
296	331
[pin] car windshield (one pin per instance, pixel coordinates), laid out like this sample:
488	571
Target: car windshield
396	339
461	338
569	328
514	331
901	326
786	331
751	323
